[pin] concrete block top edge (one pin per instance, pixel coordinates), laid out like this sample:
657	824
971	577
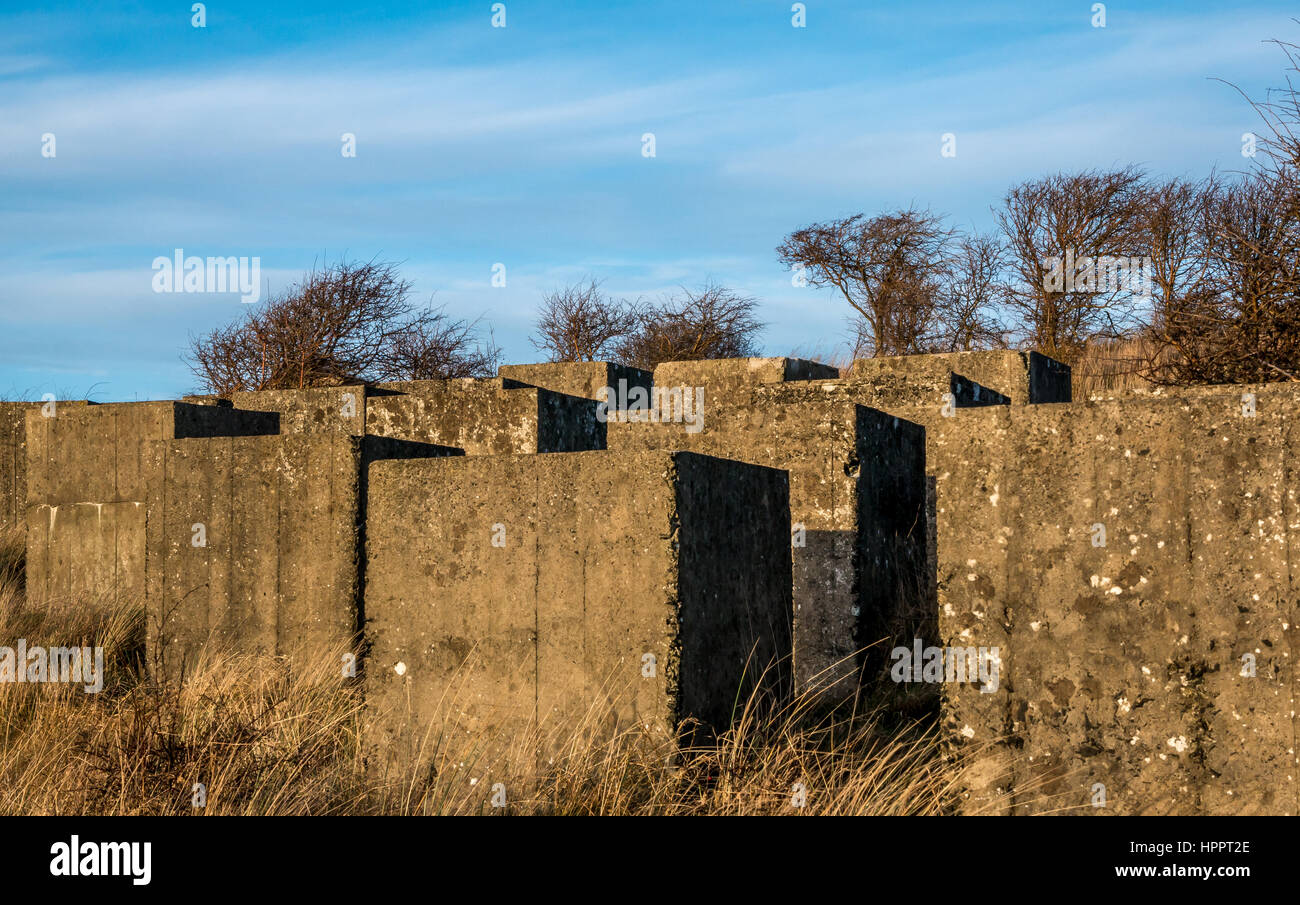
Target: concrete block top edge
178	410
747	370
657	457
379	390
909	362
565	365
1187	392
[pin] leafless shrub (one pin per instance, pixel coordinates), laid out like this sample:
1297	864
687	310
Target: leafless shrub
434	346
1170	229
1242	322
972	293
343	323
889	268
714	322
1239	319
580	323
1088	215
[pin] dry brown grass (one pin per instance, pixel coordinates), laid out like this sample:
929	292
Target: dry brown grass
1108	366
265	738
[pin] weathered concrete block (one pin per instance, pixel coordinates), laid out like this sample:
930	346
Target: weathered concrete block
577	378
13	457
340	409
1049	380
13	464
741	371
856	507
1023	377
616	589
485	417
254	543
1126	557
940	390
87	481
725	381
85	551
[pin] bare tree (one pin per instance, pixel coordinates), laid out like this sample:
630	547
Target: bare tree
1238	320
1170	229
714	322
972	293
1243	323
1070	225
580	323
1280	112
343	323
434	346
888	268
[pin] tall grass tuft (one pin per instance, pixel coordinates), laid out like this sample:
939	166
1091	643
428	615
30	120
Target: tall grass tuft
261	735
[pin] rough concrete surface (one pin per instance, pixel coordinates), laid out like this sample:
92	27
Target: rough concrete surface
1122	655
960	497
255	544
618	589
485	417
1023	377
576	378
87	482
821	439
13	457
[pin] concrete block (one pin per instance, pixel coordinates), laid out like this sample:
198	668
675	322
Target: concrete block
941	390
88	480
855	527
340	409
485	417
1023	377
741	371
254	543
1140	550
13	457
577	378
726	381
609	589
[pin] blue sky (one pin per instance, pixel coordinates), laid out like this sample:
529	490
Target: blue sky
522	145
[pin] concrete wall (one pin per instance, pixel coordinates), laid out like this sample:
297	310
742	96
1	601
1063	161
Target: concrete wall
890	390
576	378
545	582
1023	377
13	457
728	381
13	463
254	543
1121	664
485	417
315	410
87	482
867	573
481	416
841	457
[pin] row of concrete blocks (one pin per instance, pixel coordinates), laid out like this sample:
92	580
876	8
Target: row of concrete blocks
1120	663
283	521
1128	558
